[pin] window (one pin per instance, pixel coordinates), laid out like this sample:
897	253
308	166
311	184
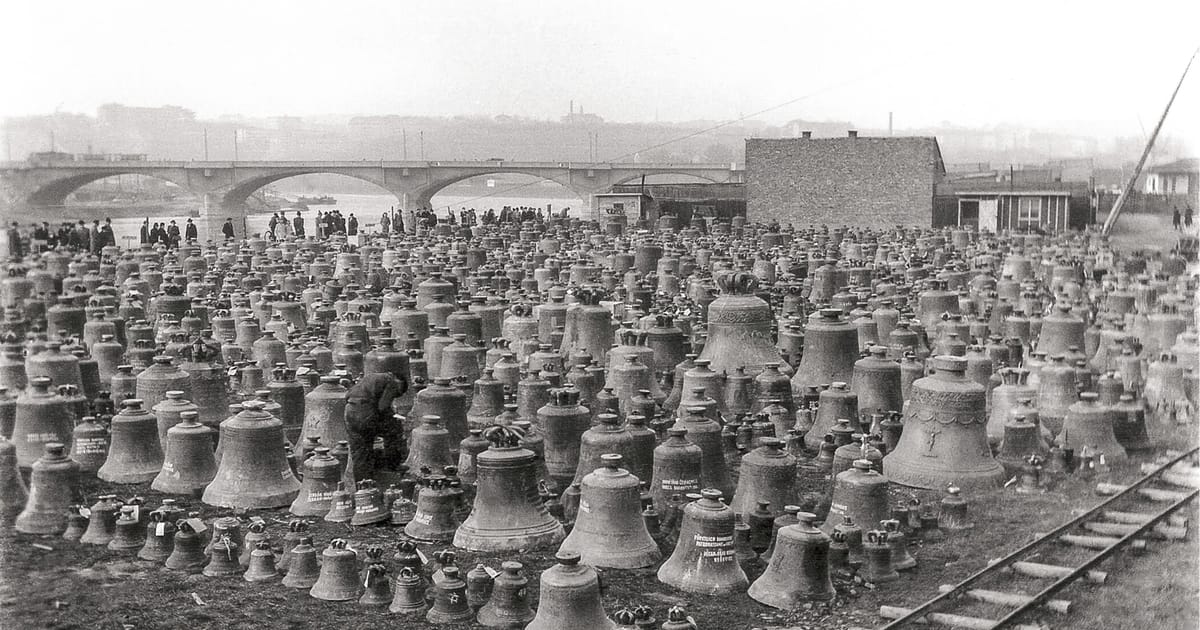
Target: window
1029	212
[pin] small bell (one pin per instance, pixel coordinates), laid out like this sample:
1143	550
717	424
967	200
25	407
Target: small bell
479	587
853	536
434	520
296	530
338	580
930	530
302	564
407	556
450	602
644	618
262	564
160	538
225	526
257	532
508	606
341	508
625	619
878	551
368	504
678	619
128	534
761	521
953	515
902	560
741	541
53	485
409	597
187	553
839	555
377	587
13	493
223	558
1029	479
76	523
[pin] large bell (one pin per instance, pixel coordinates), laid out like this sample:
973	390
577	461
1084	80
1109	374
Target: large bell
860	493
42	416
508	514
945	434
706	434
677	468
589	327
325	411
188	465
836	403
508	607
1056	392
799	569
321	476
629	377
13	493
830	350
877	382
1089	425
768	473
609	531
1061	330
53	486
434	519
739	327
563	422
446	402
607	436
254	472
704	560
570	597
338	581
429	445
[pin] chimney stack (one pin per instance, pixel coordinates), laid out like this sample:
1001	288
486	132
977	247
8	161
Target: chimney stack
852	133
805	134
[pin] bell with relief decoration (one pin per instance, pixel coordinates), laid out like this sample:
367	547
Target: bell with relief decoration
945	434
739	327
508	514
609	531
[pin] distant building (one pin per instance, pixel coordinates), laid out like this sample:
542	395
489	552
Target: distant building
880	182
994	206
623	207
1181	177
721	202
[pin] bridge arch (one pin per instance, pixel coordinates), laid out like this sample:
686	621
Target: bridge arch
55	192
236	196
424	197
659	174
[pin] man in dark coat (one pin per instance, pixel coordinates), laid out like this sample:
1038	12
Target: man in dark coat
108	237
368	416
144	232
352	226
227	229
298	225
189	231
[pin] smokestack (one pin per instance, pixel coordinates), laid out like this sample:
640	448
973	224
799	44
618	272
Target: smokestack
805	134
852	133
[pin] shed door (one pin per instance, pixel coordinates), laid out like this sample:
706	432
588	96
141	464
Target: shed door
988	216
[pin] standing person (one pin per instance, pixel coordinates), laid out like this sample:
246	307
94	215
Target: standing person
173	235
110	238
189	231
298	225
271	225
14	241
1187	216
41	237
385	223
352	226
82	238
1175	218
144	232
282	229
227	229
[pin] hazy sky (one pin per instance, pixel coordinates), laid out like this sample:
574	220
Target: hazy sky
1092	66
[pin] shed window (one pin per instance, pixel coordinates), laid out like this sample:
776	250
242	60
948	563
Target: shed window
1029	212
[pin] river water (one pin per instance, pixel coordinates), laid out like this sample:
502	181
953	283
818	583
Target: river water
368	209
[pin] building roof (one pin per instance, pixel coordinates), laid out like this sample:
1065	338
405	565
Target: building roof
1186	165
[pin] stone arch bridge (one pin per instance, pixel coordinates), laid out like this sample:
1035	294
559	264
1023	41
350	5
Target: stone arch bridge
224	186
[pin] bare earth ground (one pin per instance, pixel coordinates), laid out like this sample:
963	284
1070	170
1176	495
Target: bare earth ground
83	586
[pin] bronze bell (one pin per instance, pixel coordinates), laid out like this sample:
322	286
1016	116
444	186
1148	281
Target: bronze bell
341	506
128	534
409	596
508	606
876	380
788	517
799	568
135	455
450	601
739	326
678	619
338	580
376	586
902	560
767	474
223	558
677	468
609	531
860	493
449	404
704	560
261	567
76	523
325	411
89	444
945	436
1056	392
188	466
297	529
42	416
878	551
479	586
706	433
256	532
1129	425
302	564
953	513
434	519
253	472
187	550
321	477
570	597
53	486
507	514
1090	425
1021	440
852	536
761	521
159	538
429	445
13	494
368	504
836	403
563	422
830	349
627	377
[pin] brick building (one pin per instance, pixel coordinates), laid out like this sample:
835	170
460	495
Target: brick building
880	182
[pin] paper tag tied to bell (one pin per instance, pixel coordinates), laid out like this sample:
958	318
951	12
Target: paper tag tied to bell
196	524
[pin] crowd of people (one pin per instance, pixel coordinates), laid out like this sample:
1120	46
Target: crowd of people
167	233
78	237
1186	216
469	217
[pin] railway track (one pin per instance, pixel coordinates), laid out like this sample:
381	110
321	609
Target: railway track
1127	520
